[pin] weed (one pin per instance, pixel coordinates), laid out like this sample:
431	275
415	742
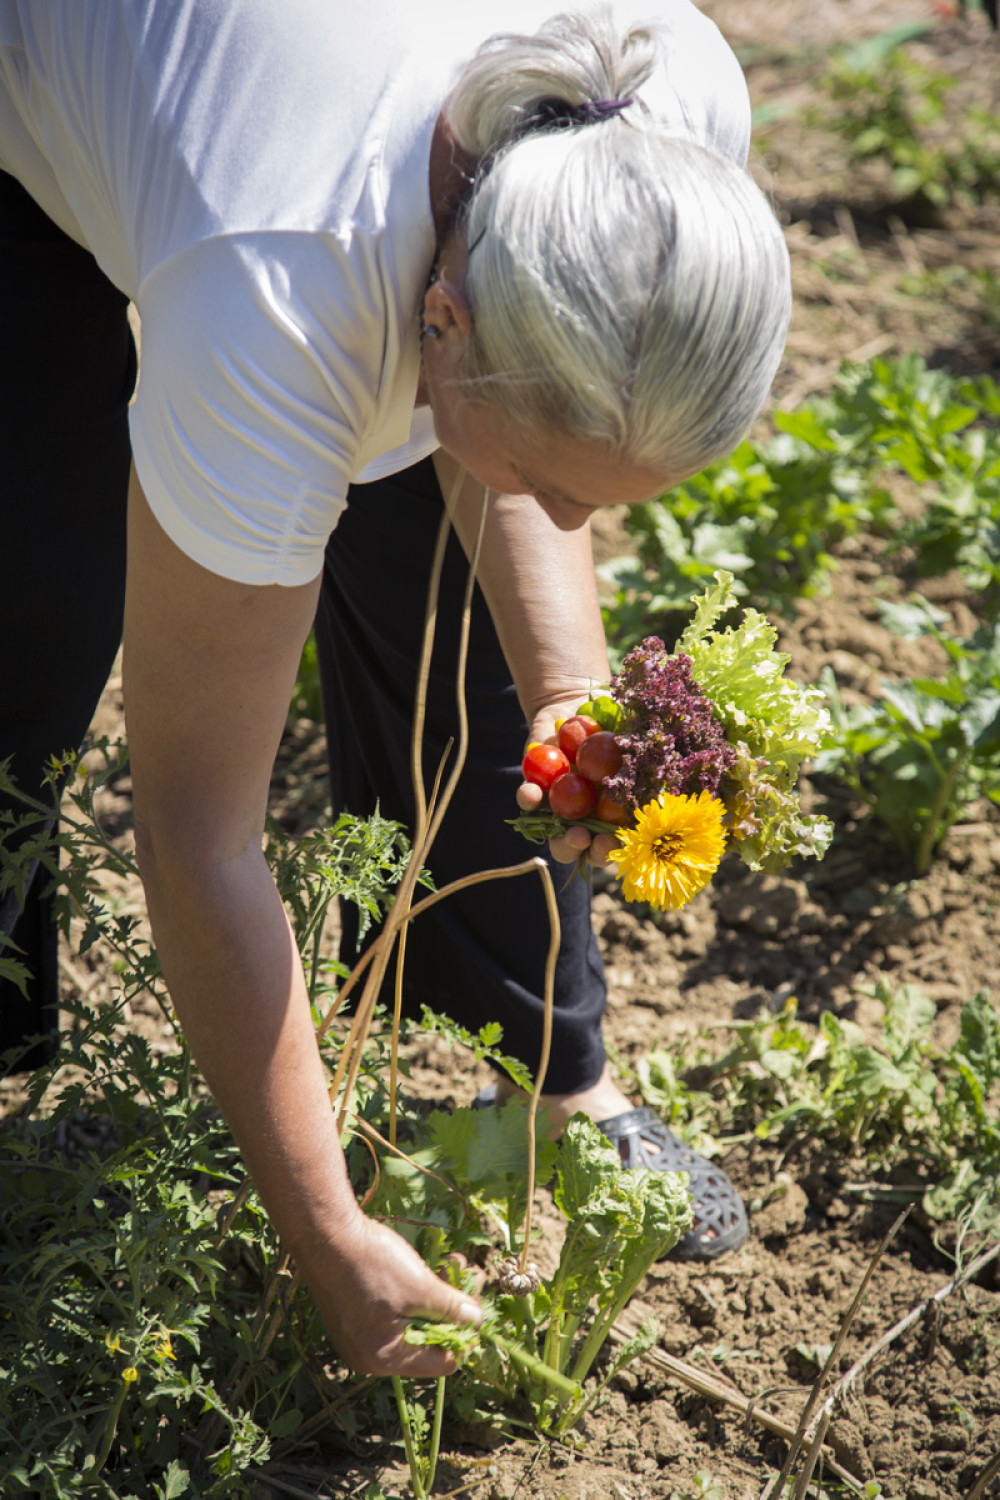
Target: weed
895	1099
774	510
894	114
927	748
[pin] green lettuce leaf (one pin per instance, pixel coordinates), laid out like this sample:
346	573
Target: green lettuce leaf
773	722
739	669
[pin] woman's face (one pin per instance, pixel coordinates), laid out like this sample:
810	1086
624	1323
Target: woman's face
568	478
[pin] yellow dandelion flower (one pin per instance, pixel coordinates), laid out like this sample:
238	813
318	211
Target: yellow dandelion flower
673	851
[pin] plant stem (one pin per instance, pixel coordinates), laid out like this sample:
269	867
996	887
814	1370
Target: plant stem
110	1428
543	1061
535	1366
929	834
432	1456
416	1475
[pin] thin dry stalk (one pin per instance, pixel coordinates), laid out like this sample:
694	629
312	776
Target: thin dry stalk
376	1135
988	1472
399	910
778	1488
543	1061
427	646
229	1217
714	1389
812	1457
428	819
845	1382
500	873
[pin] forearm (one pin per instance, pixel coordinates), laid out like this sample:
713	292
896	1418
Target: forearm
237	984
541	590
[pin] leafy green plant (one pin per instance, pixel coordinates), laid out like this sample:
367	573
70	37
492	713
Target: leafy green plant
775	510
894	113
618	1223
140	1347
769	514
896	1098
132	1353
929	747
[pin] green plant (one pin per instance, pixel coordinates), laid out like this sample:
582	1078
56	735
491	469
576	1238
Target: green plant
773	512
618	1223
894	112
895	1098
307	694
929	747
141	1346
134	1356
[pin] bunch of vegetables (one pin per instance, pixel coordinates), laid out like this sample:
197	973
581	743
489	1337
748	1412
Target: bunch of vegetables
688	754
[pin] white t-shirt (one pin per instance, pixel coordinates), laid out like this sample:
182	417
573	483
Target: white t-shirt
254	174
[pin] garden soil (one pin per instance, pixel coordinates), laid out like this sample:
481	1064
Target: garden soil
923	1419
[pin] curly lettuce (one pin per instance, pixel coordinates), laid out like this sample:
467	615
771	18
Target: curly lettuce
774	723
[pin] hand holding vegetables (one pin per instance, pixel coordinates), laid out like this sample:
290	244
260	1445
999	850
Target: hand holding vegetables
690	753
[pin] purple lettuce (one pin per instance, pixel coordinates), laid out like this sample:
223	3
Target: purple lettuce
669	737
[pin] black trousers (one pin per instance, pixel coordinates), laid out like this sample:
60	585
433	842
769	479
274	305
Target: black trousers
67	371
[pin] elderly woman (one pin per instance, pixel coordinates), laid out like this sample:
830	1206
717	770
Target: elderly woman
371	248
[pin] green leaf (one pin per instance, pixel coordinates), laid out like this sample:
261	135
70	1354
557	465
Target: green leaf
288	1422
176	1481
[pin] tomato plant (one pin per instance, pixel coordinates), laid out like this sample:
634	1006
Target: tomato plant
542	764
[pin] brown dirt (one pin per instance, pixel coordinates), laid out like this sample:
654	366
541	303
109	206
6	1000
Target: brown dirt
924	1421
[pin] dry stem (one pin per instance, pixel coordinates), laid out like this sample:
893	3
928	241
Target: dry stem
845	1382
778	1488
714	1389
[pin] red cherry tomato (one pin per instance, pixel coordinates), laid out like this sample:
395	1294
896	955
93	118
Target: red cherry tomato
610	811
573	733
598	757
572	796
542	764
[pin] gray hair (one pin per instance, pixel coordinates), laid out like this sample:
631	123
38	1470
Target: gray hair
629	286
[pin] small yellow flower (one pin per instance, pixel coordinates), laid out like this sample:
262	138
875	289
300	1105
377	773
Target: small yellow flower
130	1374
673	851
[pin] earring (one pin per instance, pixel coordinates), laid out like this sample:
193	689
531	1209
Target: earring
432	331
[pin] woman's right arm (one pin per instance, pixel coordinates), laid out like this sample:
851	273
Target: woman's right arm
209	669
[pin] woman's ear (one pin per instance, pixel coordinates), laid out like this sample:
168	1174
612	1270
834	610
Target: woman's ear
446	309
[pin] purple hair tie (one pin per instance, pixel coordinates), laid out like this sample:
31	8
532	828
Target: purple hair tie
557	114
596	110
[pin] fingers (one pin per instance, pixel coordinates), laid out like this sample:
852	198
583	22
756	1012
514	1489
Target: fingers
568	847
529	797
474	1275
381	1286
601	847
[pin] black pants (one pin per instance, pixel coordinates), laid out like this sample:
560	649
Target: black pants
68	370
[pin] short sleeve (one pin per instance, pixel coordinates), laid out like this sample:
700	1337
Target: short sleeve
250	404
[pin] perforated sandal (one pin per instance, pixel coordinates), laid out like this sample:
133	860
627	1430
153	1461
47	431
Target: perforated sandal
720	1220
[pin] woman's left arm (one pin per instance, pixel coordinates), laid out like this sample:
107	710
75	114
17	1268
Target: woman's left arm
538	581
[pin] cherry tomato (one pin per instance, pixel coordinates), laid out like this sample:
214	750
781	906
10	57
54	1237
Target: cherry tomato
572	796
598	757
542	764
573	732
610	811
